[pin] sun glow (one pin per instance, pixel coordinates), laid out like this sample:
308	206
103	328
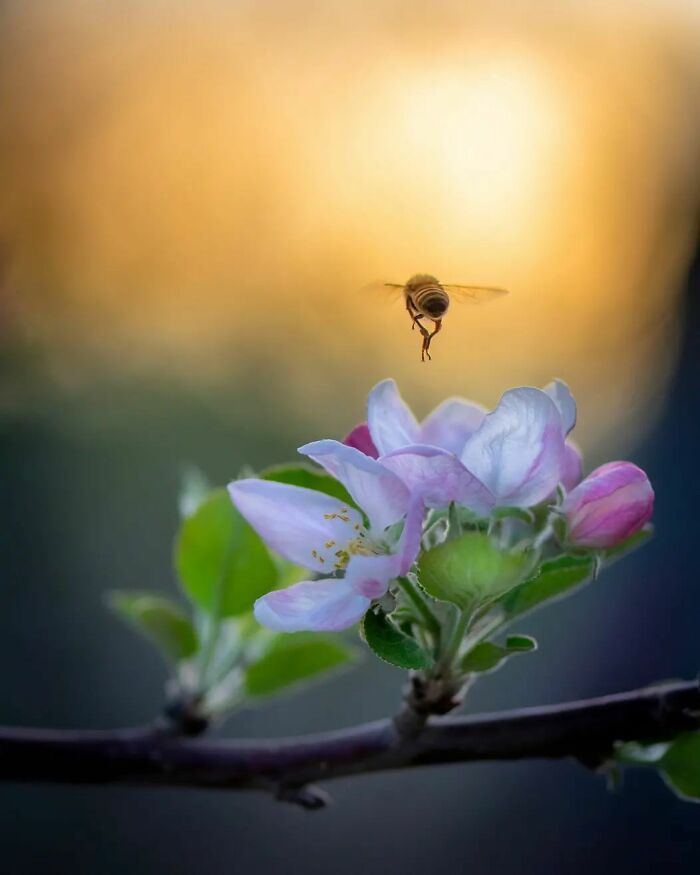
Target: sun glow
206	199
477	138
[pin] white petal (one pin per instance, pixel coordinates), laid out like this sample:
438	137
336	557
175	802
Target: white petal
312	605
559	392
391	423
451	423
438	477
379	492
518	452
297	522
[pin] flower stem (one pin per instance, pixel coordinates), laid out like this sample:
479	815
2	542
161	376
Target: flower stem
455	638
420	603
208	650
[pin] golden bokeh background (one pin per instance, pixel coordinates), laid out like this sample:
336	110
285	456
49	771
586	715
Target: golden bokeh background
202	189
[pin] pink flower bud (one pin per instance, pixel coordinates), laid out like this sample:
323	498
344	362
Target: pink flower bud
360	439
611	504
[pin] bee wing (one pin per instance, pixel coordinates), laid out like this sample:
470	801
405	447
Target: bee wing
473	294
388	291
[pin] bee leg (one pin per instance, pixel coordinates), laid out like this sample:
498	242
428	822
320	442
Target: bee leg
425	349
413	313
438	327
428	337
416	322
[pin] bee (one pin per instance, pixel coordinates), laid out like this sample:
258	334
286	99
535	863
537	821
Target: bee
427	298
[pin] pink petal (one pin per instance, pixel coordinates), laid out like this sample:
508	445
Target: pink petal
370	575
409	544
361	440
572	470
612	503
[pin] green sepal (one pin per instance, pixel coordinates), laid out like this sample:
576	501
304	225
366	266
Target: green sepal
391	644
454	520
517	513
612	554
160	620
632	753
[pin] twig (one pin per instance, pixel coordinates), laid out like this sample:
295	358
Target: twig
586	730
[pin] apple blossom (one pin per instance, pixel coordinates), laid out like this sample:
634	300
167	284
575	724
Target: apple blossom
395	469
319	532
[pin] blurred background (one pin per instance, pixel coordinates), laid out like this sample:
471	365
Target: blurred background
194	195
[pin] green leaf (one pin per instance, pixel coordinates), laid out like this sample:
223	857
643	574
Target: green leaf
390	644
555	578
159	619
221	562
299	474
678	762
487	656
293	659
520	643
471	570
680	766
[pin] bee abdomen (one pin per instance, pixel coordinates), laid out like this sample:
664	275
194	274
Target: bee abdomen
432	300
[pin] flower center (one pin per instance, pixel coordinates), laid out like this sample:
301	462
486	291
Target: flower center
335	554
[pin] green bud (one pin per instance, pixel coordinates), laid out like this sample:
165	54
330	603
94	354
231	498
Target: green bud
472	570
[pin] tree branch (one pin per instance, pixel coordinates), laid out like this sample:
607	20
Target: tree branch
586	730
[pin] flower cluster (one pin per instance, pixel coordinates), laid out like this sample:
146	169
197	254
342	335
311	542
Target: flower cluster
512	475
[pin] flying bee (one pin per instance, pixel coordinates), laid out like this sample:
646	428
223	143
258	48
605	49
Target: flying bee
427	298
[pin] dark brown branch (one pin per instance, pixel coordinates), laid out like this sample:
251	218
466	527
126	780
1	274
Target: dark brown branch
586	730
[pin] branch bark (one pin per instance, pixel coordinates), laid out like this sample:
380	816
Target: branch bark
586	730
